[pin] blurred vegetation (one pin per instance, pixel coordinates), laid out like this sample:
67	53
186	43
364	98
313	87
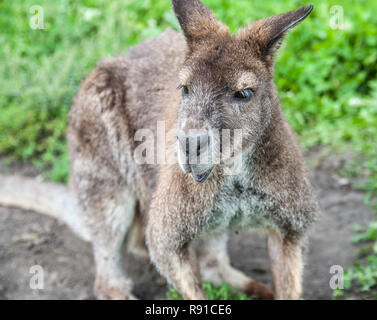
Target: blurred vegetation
212	292
327	78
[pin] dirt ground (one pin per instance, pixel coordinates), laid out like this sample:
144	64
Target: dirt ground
28	239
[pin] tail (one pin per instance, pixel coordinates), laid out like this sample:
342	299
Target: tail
48	198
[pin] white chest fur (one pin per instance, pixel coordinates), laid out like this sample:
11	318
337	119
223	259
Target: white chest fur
239	204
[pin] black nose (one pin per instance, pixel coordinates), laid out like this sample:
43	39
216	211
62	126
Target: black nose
193	144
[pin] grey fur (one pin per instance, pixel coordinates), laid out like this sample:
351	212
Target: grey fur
185	222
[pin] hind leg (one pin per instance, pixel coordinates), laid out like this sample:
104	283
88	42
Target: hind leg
109	212
215	266
112	281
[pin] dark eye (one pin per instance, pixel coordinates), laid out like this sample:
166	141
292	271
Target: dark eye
185	91
244	95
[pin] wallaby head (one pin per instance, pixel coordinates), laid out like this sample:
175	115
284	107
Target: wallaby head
226	82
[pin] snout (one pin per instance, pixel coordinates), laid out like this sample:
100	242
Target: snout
193	145
194	154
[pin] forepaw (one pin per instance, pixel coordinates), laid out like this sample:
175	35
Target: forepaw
107	292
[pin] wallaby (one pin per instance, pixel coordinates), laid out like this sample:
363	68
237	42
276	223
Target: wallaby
184	208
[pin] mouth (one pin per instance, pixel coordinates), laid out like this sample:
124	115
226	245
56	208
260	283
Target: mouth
200	178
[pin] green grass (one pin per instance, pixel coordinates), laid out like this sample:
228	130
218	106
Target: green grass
221	292
327	79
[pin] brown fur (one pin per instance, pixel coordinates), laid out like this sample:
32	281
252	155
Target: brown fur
186	222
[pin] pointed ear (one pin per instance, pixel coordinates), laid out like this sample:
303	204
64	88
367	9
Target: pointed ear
266	35
198	23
